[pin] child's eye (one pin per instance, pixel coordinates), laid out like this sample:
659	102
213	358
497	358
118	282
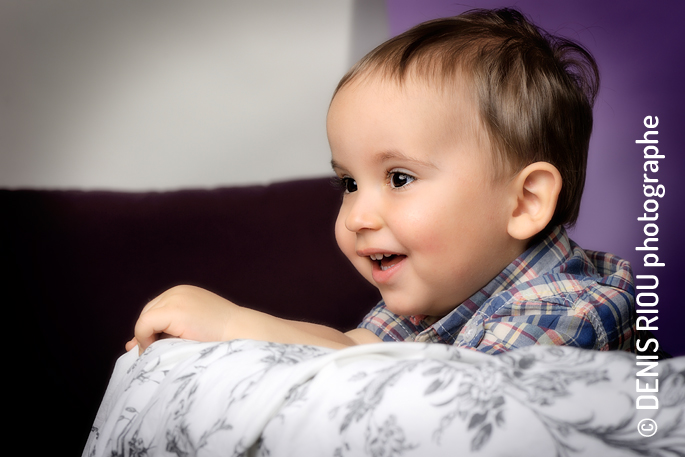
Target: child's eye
399	179
347	184
350	185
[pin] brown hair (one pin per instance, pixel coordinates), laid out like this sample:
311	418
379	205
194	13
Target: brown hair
535	91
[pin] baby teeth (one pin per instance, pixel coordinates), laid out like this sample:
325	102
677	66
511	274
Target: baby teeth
379	256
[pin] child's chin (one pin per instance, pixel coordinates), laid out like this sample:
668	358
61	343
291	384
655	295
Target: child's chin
401	307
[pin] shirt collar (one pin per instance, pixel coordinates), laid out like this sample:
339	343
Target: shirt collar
542	257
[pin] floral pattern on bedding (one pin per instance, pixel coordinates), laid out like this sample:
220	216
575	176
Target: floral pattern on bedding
248	398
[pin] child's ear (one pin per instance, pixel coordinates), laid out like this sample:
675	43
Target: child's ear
536	189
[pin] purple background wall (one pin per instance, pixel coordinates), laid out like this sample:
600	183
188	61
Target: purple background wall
640	50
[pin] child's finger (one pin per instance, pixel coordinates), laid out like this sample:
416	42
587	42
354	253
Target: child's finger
152	304
131	344
163	298
150	325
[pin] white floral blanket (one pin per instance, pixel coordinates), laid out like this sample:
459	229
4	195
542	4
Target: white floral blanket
249	398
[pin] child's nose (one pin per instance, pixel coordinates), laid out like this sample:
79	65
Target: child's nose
364	214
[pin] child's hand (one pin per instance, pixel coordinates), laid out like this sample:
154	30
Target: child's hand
186	312
196	314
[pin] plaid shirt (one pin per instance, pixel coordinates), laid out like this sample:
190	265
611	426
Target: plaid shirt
554	293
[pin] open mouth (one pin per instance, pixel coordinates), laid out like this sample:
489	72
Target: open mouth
387	261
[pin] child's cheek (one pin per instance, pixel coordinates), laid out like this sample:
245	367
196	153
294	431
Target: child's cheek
424	231
345	239
340	234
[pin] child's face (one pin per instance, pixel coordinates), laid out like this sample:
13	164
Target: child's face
421	218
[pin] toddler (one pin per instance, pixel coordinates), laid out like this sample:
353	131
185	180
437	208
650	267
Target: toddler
460	147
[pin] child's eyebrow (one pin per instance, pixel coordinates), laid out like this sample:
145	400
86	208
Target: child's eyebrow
336	166
389	155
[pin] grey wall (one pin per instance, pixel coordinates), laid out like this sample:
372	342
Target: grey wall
167	94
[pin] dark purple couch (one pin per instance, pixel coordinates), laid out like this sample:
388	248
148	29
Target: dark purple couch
79	266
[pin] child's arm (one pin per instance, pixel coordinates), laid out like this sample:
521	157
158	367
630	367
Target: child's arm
196	314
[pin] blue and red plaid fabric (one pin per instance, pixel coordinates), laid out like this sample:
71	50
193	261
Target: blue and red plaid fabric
554	293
